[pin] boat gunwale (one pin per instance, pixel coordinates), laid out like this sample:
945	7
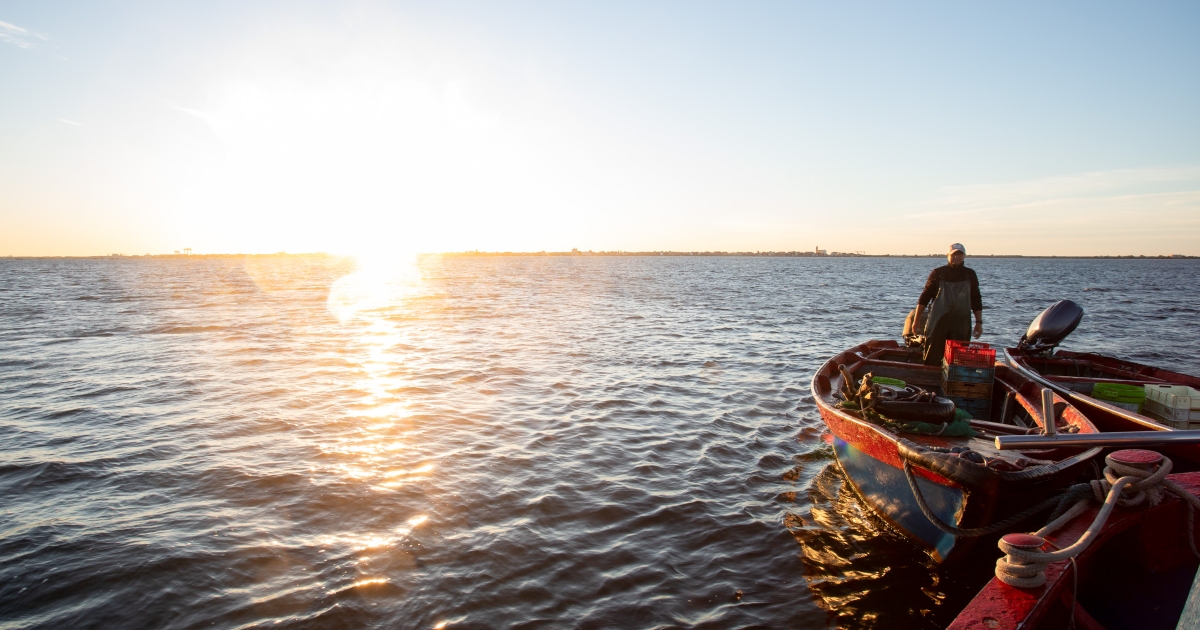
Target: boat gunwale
1154	372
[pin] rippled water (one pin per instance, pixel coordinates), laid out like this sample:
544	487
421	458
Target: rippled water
508	442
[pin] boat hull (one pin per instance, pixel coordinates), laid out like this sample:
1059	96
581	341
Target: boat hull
884	488
872	459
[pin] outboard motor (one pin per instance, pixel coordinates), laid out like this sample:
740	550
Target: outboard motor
1049	329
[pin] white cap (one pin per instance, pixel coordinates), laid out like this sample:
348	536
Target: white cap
957	247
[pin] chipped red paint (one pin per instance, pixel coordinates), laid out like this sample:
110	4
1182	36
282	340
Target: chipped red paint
874	441
999	606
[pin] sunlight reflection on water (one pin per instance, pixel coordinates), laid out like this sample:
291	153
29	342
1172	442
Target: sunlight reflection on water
378	282
364	300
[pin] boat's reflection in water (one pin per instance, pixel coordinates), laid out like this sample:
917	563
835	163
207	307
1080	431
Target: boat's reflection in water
867	576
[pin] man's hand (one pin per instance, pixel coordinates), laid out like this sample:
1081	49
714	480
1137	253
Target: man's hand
978	329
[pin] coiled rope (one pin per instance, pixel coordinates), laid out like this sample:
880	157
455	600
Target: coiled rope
1024	563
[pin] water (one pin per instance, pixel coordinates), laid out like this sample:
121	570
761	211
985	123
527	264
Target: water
509	442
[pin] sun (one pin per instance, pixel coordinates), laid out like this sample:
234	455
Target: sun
381	279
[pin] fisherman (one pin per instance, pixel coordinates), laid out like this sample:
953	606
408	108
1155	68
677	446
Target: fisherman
954	291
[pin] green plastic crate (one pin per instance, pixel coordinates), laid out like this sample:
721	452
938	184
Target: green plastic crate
1130	397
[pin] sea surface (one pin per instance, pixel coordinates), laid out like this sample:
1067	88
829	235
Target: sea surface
477	442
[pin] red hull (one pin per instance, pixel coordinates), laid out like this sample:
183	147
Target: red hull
1141	553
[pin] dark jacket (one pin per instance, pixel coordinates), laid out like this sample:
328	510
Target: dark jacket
951	274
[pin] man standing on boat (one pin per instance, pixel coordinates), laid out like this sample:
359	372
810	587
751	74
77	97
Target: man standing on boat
954	291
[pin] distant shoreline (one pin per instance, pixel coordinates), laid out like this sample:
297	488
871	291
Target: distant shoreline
790	255
471	254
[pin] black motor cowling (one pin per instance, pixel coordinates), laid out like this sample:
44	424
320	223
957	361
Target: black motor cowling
1049	329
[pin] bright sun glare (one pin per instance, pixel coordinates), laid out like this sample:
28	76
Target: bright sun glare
380	280
387	139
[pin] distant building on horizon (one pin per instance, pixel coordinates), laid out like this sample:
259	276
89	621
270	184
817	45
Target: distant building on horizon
819	251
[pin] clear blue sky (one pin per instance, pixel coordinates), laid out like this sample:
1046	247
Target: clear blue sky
141	127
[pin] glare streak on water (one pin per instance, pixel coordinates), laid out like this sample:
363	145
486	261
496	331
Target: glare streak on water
516	442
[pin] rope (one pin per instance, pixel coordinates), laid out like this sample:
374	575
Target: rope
1123	485
1148	488
1067	500
1025	568
1066	517
971	532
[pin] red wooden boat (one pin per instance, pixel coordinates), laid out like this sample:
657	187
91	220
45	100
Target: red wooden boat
1136	574
1074	375
959	492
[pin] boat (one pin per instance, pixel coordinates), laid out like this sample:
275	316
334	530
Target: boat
1075	375
1136	573
967	494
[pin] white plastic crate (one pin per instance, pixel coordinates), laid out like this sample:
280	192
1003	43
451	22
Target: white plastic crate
1175	403
1186	426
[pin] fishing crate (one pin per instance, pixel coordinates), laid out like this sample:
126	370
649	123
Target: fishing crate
1173	403
1174	424
1127	397
970	354
967	390
967	374
970	387
979	408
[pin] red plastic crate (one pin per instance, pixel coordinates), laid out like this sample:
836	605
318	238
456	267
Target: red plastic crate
972	354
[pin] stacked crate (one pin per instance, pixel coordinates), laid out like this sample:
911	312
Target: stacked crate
1176	406
968	370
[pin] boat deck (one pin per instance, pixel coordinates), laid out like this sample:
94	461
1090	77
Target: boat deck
1009	416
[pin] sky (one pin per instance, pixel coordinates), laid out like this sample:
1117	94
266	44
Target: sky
379	127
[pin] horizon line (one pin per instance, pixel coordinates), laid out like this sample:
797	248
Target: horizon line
576	252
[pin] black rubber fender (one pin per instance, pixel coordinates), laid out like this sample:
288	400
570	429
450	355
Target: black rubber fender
956	469
977	476
937	411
